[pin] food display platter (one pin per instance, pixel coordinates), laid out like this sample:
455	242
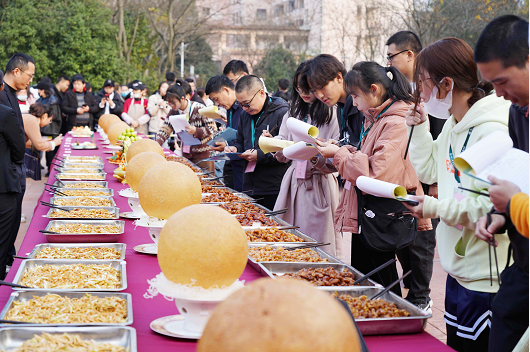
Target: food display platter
83	146
24	296
82	177
277	269
75	158
54	199
105	184
77	165
67	169
114	210
295	232
13	337
32	263
244	196
119	246
108	191
414	323
85	237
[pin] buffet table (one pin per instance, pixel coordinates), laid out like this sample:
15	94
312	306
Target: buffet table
142	267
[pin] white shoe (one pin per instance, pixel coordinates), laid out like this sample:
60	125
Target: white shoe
426	307
23	218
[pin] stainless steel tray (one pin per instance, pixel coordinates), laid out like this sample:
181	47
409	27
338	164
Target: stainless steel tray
32	263
124	336
114	210
66	169
280	268
85	237
297	233
76	165
105	184
112	202
414	323
243	196
89	177
25	296
108	191
119	246
275	218
75	158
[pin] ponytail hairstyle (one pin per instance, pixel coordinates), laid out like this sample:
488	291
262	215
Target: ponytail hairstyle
38	110
320	113
453	58
365	73
175	92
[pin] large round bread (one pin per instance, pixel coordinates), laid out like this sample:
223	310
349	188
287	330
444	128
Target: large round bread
105	120
138	166
168	187
115	130
285	315
204	243
144	145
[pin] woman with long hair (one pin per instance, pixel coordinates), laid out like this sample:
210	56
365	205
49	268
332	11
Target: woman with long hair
447	81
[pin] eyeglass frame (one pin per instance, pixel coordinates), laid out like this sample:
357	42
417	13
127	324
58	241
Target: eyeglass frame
390	57
247	105
30	76
236	79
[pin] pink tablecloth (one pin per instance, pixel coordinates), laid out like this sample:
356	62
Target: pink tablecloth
141	267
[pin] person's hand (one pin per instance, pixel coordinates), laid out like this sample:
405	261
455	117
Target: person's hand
191	129
328	150
414	118
80	111
220	146
250	155
266	133
501	192
485	234
416	210
162	105
86	108
231	149
57	140
135	124
433	191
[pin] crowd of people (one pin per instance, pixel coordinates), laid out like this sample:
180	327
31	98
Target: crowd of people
404	123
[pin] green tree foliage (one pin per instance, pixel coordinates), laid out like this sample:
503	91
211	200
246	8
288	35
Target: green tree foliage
199	54
277	63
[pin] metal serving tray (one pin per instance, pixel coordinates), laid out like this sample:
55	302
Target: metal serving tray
119	246
280	268
74	165
85	237
284	244
75	158
90	177
275	218
414	323
108	191
114	210
254	264
32	263
25	296
112	202
244	197
125	336
105	184
92	169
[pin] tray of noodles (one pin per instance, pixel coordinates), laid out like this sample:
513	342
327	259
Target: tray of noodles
79	251
96	213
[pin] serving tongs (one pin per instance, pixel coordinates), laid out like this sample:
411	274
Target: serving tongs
491	243
374	271
7	283
389	287
54	191
59	180
2	321
50	232
54	206
276	212
309	245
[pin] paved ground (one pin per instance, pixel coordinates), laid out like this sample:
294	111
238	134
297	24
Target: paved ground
435	326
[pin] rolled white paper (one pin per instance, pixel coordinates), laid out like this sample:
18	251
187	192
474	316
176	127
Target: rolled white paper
302	130
380	188
300	151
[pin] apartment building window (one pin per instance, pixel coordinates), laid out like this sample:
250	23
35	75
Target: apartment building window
278	10
300	4
261	14
236	18
291	5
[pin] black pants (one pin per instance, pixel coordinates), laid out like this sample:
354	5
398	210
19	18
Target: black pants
8	218
366	260
228	174
16	224
461	344
267	201
509	310
419	257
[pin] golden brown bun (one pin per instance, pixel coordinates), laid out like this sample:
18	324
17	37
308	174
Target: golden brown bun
138	166
279	315
110	123
144	145
168	187
105	120
205	243
115	130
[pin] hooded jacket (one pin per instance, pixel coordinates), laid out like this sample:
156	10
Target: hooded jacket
268	174
380	157
462	255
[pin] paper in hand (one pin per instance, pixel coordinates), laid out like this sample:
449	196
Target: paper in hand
179	122
227	135
302	130
382	189
225	156
300	151
188	139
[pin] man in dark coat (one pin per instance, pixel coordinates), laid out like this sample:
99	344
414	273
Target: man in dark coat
283	90
20	70
79	104
108	101
263	174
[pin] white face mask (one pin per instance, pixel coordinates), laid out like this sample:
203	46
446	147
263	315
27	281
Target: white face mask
440	108
22	97
136	96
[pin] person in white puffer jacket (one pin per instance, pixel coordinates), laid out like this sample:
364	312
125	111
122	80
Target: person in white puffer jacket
158	108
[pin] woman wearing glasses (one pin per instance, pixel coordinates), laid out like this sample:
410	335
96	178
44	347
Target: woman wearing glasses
311	196
451	90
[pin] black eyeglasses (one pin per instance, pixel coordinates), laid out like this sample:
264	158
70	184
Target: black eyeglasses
247	105
390	57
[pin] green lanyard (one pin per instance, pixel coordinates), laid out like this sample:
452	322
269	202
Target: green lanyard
230	118
457	178
363	134
342	121
253	129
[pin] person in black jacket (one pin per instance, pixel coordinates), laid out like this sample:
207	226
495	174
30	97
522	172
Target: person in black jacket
501	54
283	90
79	104
54	128
263	174
63	82
20	70
108	101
